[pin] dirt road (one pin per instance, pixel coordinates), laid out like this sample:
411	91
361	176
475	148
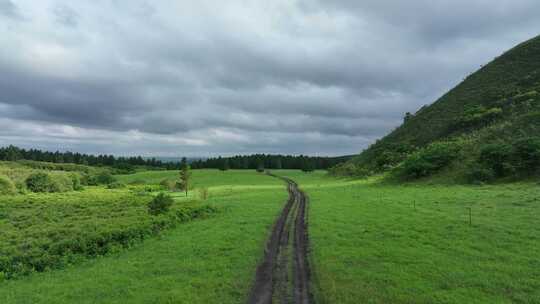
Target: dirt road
283	275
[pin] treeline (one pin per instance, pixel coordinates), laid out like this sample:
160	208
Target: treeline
256	161
12	153
267	161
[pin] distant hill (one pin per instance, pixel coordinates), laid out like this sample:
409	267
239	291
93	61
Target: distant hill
497	108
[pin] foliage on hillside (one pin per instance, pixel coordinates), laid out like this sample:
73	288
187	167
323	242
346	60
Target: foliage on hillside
497	105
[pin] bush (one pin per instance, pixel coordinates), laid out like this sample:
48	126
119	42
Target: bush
103	178
61	182
160	204
522	157
168	185
41	182
430	159
203	193
349	169
527	155
76	181
498	158
7	187
479	174
116	185
388	159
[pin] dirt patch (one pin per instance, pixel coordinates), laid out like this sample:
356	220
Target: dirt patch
283	275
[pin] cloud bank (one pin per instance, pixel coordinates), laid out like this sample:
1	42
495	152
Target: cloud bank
212	77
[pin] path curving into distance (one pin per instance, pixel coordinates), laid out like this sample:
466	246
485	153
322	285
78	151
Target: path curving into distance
283	275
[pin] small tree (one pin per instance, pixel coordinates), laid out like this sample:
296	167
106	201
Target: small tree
185	175
224	164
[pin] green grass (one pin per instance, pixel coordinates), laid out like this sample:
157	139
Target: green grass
202	178
202	261
370	245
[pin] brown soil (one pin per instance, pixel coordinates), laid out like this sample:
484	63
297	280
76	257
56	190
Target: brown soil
283	275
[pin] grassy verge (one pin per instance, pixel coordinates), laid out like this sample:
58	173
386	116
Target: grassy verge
413	244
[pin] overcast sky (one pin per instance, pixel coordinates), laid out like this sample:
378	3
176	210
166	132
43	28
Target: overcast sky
199	78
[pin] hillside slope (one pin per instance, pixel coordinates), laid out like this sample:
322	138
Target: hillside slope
497	104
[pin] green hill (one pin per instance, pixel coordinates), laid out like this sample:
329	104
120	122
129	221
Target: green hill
490	120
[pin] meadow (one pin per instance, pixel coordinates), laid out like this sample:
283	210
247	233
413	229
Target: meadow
208	260
370	241
414	243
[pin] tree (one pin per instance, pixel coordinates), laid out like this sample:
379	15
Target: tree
224	164
260	167
407	117
277	163
185	175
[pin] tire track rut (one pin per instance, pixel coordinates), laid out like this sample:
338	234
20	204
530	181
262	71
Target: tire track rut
283	275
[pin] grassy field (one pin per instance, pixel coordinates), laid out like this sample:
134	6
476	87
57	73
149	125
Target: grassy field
203	261
413	243
370	242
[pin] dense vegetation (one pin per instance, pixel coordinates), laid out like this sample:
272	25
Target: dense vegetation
44	231
69	161
268	161
492	112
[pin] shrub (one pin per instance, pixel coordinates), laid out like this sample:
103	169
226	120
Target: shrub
430	159
498	158
6	186
61	182
41	182
479	115
168	184
388	159
203	193
479	174
105	178
76	181
349	169
527	155
160	204
116	185
21	187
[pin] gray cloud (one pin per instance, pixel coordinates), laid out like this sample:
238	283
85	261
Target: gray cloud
319	77
8	9
65	15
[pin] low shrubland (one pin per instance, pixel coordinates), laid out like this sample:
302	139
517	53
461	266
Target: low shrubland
43	231
429	160
7	187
